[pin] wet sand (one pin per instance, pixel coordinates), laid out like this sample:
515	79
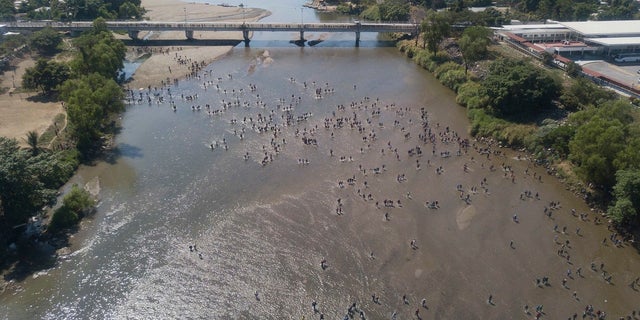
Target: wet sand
163	64
19	114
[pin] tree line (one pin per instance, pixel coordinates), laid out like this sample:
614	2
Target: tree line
30	177
520	104
72	10
525	10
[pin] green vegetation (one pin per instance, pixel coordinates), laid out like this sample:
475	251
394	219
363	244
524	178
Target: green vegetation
473	44
524	10
451	74
516	89
90	101
100	52
46	75
33	141
624	210
87	84
388	10
434	28
28	180
590	131
7	10
45	41
567	10
74	206
82	10
30	177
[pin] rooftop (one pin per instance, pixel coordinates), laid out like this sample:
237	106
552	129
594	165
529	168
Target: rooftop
595	29
621	41
511	27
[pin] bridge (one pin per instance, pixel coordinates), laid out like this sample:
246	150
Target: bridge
134	27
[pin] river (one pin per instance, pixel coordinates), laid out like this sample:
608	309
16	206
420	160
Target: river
265	228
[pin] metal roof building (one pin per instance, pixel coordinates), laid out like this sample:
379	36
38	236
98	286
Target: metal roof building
606	37
605	29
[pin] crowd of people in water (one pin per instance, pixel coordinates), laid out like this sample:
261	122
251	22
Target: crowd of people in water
389	134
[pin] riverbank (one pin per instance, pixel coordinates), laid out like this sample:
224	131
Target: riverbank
168	63
21	112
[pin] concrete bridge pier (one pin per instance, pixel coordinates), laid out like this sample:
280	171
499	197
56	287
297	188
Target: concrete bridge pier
188	34
358	26
245	36
133	34
301	36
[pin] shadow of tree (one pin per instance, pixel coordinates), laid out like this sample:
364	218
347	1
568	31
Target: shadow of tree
43	98
122	150
33	255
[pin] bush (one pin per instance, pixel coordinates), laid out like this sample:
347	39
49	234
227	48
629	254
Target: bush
75	204
453	79
451	74
485	125
556	138
446	67
470	96
371	13
625	208
517	135
63	218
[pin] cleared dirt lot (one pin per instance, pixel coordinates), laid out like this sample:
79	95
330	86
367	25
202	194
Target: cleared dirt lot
19	113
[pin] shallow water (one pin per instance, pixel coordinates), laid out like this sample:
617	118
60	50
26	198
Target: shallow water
266	228
167	189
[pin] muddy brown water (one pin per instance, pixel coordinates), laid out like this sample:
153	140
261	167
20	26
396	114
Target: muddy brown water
266	229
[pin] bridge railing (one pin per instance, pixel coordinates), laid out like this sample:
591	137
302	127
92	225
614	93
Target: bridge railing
222	26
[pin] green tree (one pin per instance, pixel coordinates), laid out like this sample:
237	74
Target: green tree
75	204
573	69
583	93
547	58
32	140
394	10
99	51
12	42
582	11
7	10
470	95
129	11
629	157
474	44
434	28
22	193
45	41
626	192
594	148
493	18
557	139
46	75
90	100
518	90
619	10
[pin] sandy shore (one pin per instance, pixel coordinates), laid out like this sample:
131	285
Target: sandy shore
20	114
163	63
